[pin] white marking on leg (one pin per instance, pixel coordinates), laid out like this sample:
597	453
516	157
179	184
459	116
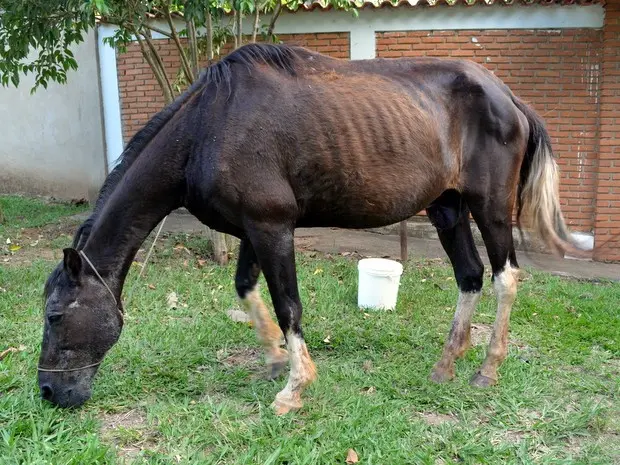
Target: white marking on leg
457	342
465	308
268	332
303	372
505	286
506	289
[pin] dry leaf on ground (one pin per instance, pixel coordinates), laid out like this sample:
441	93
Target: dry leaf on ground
10	350
173	300
352	456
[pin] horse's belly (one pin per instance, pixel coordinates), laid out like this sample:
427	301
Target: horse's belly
385	200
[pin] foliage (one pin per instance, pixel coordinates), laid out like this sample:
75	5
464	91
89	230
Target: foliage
36	38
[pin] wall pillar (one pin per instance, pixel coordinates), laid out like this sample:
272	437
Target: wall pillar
607	220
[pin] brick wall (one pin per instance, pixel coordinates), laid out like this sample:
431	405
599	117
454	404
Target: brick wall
141	96
557	71
607	221
570	76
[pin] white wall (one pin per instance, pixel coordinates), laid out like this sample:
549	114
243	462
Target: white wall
52	141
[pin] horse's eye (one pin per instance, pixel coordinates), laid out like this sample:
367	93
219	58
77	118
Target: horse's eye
54	318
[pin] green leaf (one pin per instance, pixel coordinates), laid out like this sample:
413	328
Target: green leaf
101	6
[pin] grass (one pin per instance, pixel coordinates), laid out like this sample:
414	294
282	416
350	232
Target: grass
32	227
186	385
26	212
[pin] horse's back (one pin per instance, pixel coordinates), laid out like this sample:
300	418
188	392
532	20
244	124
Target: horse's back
356	143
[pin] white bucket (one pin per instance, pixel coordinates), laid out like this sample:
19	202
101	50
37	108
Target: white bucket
378	283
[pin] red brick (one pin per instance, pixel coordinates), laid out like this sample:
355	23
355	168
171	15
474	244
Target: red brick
545	68
570	76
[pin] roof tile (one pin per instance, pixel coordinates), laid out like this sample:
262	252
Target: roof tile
323	4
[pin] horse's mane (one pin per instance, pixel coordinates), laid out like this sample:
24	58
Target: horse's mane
277	56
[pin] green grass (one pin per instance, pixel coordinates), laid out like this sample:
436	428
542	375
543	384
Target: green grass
186	386
31	226
25	212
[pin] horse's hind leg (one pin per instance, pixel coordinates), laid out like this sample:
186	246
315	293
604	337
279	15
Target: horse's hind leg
274	246
450	216
269	334
493	214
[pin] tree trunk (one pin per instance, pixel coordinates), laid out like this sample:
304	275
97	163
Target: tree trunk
160	63
193	47
274	17
256	20
209	37
239	18
235	14
184	61
156	66
220	250
404	255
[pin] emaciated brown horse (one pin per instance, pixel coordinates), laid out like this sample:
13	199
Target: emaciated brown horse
274	137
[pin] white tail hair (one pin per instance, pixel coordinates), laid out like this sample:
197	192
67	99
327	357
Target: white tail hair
539	193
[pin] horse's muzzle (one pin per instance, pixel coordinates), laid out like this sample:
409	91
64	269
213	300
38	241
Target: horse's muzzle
64	397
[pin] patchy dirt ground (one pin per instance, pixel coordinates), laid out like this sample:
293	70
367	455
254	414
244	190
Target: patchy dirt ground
436	419
24	246
240	357
128	432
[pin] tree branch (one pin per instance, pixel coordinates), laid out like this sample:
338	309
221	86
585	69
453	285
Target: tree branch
193	45
235	14
209	36
159	31
157	72
272	24
239	29
256	20
167	88
184	62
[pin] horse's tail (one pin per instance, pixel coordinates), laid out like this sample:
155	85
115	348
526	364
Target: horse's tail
538	198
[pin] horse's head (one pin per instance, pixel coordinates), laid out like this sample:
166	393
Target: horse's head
82	322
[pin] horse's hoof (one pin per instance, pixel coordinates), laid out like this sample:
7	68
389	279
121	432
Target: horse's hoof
275	369
283	405
441	376
276	363
481	381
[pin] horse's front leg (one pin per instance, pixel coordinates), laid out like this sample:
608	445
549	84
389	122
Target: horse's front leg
274	247
269	334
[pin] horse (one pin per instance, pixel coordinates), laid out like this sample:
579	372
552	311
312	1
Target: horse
274	137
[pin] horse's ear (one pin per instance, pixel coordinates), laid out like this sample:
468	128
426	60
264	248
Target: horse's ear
72	263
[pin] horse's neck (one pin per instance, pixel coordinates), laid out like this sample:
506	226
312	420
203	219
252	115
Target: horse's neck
150	189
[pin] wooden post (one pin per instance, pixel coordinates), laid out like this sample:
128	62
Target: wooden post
403	241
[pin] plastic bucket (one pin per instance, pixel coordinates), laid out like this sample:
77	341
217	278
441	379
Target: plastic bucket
379	279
